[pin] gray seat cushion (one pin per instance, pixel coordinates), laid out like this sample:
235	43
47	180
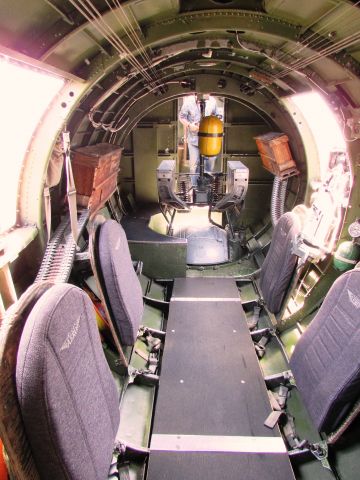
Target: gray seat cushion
280	262
67	395
122	287
326	360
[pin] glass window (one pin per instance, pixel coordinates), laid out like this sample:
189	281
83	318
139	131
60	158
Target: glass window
331	194
326	130
25	94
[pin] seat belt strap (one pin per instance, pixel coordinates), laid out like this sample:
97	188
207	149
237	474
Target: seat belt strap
255	317
273	401
70	186
273	418
124	471
119	472
282	395
261	338
290	434
152	360
47	204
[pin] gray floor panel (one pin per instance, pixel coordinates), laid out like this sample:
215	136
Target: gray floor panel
206	246
211	385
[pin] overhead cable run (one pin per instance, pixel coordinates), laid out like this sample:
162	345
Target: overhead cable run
126	24
144	69
108	127
96	19
314	39
300	64
332	49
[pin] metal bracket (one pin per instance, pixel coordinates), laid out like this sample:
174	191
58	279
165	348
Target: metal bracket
152	338
144	377
257	335
321	452
284	378
261	338
138	266
127	451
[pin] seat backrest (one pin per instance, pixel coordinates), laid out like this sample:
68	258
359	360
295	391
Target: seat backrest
12	431
118	280
68	399
326	360
280	262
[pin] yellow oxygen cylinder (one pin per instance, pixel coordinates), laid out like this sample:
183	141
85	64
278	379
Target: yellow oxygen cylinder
210	136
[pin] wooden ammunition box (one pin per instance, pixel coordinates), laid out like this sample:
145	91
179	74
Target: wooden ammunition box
276	155
95	170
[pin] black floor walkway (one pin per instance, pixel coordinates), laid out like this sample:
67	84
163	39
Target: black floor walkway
212	400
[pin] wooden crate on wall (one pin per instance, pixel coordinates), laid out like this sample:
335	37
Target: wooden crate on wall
95	169
276	155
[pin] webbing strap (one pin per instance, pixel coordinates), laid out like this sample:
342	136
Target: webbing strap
119	470
141	354
255	317
290	434
210	135
124	471
70	186
47	204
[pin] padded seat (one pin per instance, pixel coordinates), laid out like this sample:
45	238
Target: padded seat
280	262
326	362
118	280
68	399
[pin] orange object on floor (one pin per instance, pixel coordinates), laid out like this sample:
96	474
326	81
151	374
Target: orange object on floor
3	469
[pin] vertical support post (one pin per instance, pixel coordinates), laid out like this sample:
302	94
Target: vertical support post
2	309
7	288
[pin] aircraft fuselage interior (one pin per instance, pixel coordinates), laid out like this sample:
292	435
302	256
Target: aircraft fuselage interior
179	239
